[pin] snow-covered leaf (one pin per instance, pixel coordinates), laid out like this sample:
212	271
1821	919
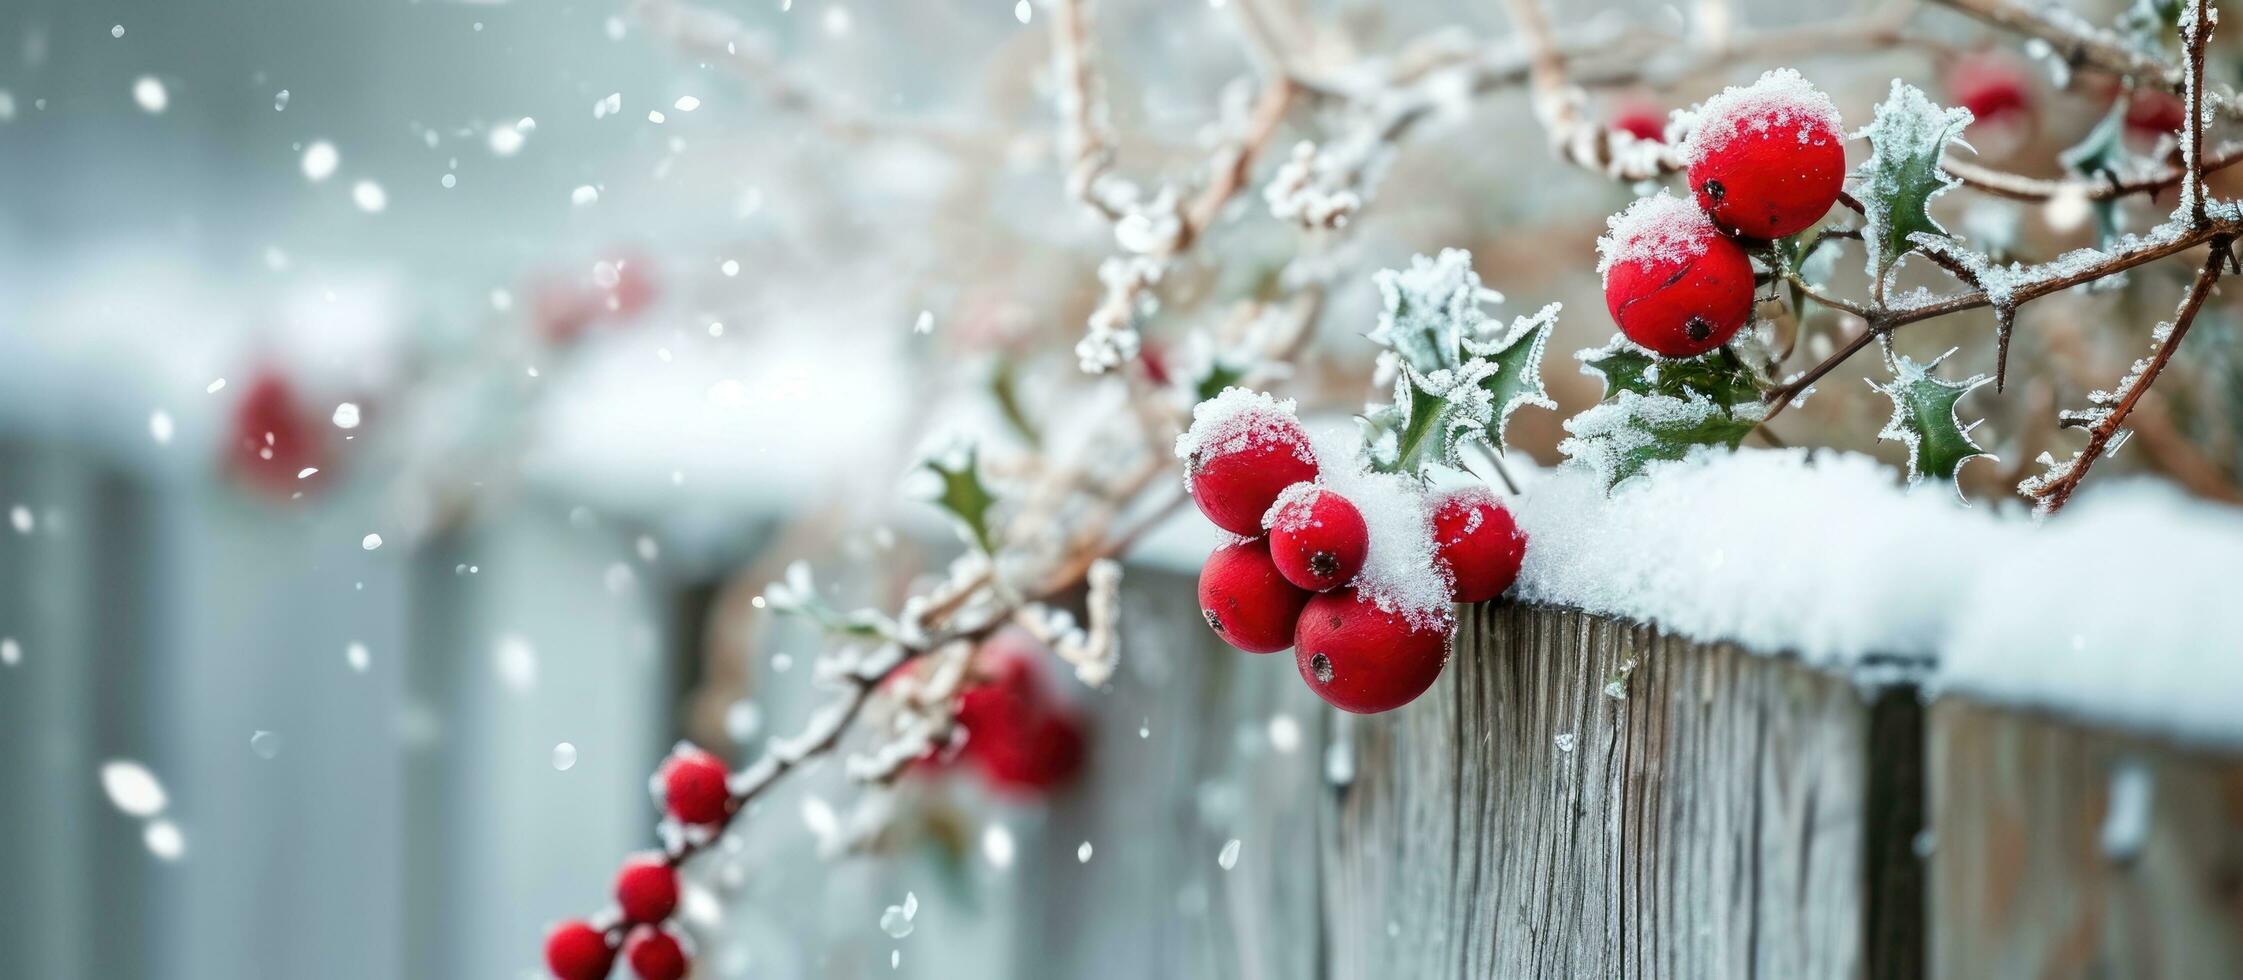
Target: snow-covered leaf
1627	367
1622	436
1924	418
1429	309
1903	174
1517	377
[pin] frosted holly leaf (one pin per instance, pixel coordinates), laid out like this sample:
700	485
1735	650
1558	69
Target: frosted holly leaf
1627	367
1434	414
1924	418
1903	174
1633	430
1516	379
964	496
1429	309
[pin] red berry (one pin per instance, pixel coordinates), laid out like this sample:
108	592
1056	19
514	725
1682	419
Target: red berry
655	954
1244	448
1994	88
1365	659
647	889
1019	735
693	787
1316	537
1642	121
1674	284
1246	600
275	438
576	951
1767	160
2154	113
1479	543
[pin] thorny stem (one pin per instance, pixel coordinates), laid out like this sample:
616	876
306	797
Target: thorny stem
2054	493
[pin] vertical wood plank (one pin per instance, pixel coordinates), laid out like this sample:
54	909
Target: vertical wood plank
1520	821
2062	851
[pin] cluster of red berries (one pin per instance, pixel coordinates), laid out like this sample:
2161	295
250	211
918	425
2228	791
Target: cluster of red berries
695	793
1765	161
1296	577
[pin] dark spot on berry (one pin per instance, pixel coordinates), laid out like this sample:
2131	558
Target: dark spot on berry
1321	666
1714	190
1323	564
1698	328
1214	622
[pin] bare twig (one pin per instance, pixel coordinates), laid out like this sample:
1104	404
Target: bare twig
2104	422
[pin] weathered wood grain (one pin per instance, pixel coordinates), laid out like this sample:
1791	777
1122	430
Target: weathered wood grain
1520	821
2064	851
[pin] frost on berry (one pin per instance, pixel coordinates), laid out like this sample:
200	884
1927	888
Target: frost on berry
1361	658
1479	543
1766	160
1400	574
1317	538
1671	281
1242	450
1781	99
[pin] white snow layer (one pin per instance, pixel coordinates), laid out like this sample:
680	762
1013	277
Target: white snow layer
1659	229
2106	612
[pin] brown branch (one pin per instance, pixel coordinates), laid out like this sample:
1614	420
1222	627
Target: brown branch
2051	492
2017	187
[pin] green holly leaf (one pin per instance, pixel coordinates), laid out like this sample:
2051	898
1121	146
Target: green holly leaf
1516	378
1628	433
1627	367
1902	175
1220	375
1924	418
964	496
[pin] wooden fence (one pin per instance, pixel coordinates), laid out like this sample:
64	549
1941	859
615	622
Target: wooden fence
1581	797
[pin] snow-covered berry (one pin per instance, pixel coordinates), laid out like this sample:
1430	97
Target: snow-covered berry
1479	543
1246	600
1316	537
693	787
1995	88
647	889
576	951
1242	450
655	954
1767	159
1673	283
1361	658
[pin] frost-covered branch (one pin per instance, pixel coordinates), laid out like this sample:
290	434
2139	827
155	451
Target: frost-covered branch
2103	422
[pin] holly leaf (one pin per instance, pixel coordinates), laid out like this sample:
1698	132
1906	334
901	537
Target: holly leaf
1902	174
1516	378
964	496
1428	310
1627	367
1924	418
1625	435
